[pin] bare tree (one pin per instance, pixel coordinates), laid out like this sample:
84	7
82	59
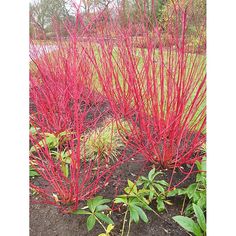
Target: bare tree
42	12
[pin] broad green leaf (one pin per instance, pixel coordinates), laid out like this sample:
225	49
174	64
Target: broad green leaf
145	206
134	214
132	186
92	203
101	201
120	200
102	208
34	173
102	234
141	213
188	224
104	218
81	212
200	217
191	189
91	222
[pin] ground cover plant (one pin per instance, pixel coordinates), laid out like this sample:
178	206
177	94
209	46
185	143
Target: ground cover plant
116	92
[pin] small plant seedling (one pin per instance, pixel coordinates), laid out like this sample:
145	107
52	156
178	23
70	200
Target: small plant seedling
197	228
135	202
52	141
155	189
95	211
196	192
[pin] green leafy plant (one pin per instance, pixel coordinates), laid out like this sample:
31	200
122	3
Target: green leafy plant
103	142
155	189
134	202
195	192
95	211
197	228
52	141
33	172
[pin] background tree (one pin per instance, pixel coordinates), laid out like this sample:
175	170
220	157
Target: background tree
44	12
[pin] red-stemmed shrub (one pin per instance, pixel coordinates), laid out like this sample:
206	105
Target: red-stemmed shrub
65	108
160	89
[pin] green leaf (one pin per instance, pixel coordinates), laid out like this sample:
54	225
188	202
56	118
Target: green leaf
101	202
141	213
202	201
151	173
94	202
104	218
196	196
188	224
160	205
203	164
142	178
132	187
120	200
151	195
102	208
91	222
188	210
81	212
200	217
34	173
191	189
162	182
134	214
182	191
198	164
160	188
172	193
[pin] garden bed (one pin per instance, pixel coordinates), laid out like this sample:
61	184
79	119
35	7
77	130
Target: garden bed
47	220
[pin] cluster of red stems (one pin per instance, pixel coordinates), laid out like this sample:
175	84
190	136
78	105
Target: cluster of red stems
159	89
